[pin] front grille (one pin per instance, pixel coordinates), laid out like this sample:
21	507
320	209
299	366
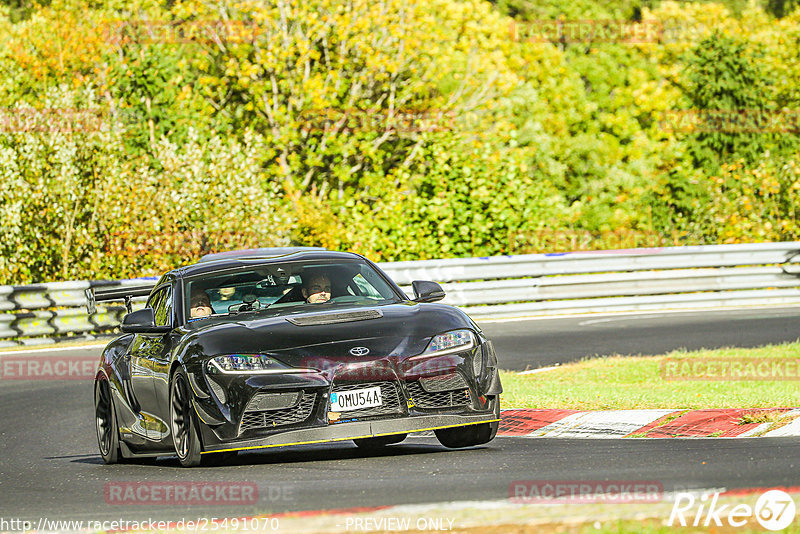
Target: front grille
255	416
389	394
435	384
440	399
273	401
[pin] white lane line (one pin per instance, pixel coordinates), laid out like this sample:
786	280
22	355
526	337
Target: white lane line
54	349
618	319
598	321
632	313
601	424
539	370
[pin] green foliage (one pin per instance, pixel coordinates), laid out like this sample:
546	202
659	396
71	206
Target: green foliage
462	202
758	203
401	129
724	75
147	87
21	9
73	205
781	8
48	196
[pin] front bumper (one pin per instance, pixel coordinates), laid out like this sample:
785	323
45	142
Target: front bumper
356	430
230	422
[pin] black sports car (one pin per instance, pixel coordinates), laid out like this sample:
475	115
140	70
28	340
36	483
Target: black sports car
275	347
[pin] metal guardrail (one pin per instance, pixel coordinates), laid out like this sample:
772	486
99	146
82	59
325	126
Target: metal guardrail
52	312
500	286
616	280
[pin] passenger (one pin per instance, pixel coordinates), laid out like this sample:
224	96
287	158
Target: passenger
200	304
227	293
316	288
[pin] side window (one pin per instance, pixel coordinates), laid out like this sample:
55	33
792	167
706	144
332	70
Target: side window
365	288
377	287
161	303
155	299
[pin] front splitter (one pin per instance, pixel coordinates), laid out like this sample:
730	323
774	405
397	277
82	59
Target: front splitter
355	430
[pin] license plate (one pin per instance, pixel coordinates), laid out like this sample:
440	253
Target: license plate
356	399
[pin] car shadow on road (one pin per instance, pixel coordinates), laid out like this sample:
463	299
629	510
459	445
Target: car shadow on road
288	455
301	455
306	454
93	458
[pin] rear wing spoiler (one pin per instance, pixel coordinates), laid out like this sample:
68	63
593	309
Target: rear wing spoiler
123	293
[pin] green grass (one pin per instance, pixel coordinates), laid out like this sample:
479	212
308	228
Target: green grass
636	382
760	417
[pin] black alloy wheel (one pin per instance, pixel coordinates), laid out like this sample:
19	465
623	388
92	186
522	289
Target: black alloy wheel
185	434
106	422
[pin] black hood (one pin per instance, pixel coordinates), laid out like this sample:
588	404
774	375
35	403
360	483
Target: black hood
401	329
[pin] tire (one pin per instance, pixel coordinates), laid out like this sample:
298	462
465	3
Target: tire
378	442
183	422
471	435
106	422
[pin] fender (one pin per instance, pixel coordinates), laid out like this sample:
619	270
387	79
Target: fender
117	357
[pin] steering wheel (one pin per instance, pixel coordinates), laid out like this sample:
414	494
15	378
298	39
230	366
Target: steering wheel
250	303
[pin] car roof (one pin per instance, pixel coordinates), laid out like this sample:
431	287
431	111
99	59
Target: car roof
255	253
249	258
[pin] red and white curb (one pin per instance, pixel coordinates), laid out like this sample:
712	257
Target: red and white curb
665	423
528	513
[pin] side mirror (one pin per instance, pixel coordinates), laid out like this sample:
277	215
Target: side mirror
142	322
425	291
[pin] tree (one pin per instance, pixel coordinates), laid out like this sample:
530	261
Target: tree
728	97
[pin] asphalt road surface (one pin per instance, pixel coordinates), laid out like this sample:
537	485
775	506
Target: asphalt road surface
49	466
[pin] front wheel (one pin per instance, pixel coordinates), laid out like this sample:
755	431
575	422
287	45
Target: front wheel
185	434
106	422
469	436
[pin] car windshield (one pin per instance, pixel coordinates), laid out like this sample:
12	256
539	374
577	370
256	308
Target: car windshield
285	288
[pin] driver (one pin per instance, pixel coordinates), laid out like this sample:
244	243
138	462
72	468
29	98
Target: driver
316	288
200	304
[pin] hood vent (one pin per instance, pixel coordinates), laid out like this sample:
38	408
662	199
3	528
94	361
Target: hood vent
333	318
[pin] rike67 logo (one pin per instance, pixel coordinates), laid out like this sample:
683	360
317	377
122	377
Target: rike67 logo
774	510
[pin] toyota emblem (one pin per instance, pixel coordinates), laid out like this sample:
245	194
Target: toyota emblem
359	351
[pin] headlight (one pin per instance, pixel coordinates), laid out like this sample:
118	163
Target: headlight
247	363
455	341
